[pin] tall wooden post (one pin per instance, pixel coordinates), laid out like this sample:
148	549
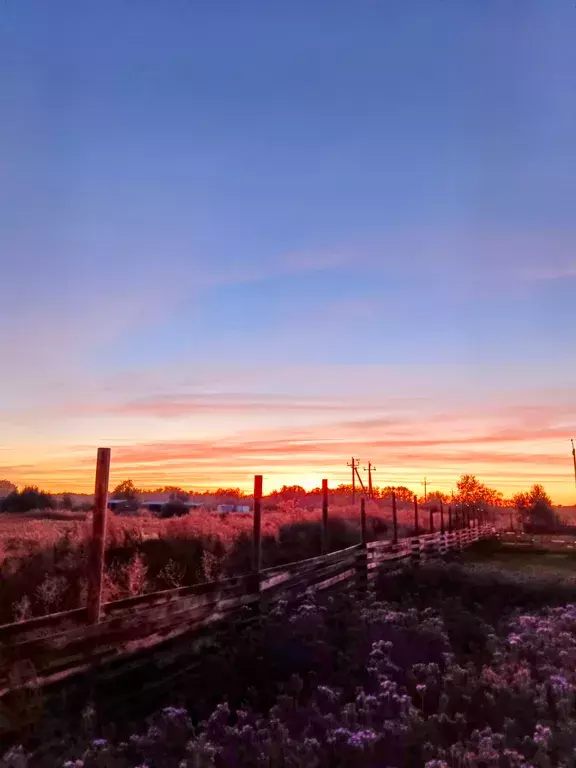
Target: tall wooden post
415	548
98	542
441	518
363	521
324	516
257	551
362	556
394	517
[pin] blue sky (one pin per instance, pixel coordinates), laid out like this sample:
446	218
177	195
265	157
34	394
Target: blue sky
213	191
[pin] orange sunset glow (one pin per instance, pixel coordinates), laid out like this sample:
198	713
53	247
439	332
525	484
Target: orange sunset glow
205	440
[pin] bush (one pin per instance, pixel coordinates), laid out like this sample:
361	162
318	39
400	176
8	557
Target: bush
27	499
541	517
174	508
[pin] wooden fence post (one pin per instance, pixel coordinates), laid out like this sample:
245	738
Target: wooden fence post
416	541
325	543
362	556
441	518
257	545
394	518
98	542
450	529
431	514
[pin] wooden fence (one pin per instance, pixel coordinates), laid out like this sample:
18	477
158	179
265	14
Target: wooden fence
49	649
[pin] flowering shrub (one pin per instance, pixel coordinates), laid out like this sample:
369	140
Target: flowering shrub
426	670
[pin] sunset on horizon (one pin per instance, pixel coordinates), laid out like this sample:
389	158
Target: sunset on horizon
269	239
288	402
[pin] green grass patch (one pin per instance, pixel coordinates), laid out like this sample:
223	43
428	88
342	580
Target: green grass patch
531	560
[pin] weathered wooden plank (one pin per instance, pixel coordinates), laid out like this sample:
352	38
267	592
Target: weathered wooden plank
86	640
389	557
312	561
300	582
128	650
121	645
345	576
276	579
381	544
9	632
140	602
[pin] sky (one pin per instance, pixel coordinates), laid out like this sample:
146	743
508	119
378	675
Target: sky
254	237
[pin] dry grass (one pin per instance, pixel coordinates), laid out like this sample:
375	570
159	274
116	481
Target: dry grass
43	561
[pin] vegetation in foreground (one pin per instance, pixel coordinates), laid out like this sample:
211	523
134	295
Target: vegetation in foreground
43	563
447	665
44	571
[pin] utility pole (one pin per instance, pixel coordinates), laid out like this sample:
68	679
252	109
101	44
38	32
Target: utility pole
360	480
425	491
354	466
574	459
370	469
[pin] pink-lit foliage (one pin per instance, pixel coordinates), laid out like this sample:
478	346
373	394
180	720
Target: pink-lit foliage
43	566
43	562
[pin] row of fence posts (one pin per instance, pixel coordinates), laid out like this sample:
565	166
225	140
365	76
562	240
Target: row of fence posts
459	519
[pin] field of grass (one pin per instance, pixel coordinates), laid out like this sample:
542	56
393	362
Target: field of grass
43	561
540	559
444	666
43	558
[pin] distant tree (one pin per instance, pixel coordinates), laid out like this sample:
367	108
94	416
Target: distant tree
176	493
6	488
402	492
439	496
126	490
291	493
538	493
29	498
66	501
229	495
527	498
470	489
535	509
129	494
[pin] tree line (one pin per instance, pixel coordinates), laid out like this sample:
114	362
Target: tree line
468	490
